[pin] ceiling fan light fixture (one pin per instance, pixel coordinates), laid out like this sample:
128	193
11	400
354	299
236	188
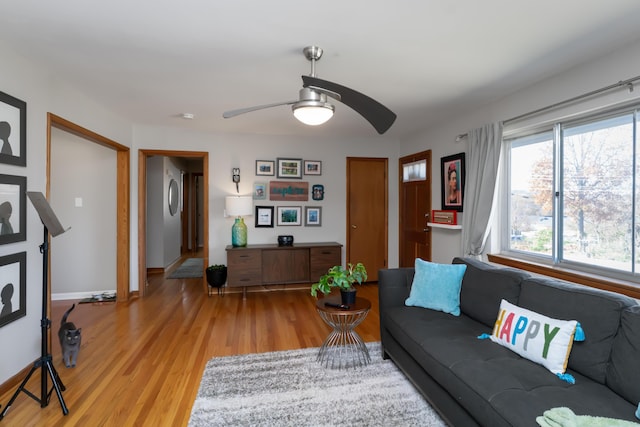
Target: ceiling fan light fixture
313	113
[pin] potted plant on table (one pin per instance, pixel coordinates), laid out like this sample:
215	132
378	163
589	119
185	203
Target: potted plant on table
216	275
343	279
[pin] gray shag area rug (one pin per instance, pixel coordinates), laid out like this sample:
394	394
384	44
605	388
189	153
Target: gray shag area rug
290	388
191	268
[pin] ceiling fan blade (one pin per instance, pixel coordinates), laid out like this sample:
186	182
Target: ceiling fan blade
233	113
377	114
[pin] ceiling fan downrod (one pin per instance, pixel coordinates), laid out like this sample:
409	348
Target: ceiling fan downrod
313	54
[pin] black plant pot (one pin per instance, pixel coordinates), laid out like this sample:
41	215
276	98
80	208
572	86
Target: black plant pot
348	297
217	278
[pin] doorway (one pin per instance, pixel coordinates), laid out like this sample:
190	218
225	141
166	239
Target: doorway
367	213
143	156
415	207
122	197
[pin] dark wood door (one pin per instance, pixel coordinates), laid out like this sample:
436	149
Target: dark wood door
367	206
415	208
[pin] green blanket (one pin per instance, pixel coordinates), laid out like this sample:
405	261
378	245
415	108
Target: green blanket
564	417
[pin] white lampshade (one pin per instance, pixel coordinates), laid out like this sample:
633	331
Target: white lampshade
238	205
313	115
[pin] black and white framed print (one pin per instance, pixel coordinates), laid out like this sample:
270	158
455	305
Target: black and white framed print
13	209
13	130
313	216
13	287
289	215
264	216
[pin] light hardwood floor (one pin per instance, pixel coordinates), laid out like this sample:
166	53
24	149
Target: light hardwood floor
141	362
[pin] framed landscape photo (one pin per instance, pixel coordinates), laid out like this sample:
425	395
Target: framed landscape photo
289	215
13	130
289	168
312	167
313	216
264	216
452	174
265	167
13	287
13	209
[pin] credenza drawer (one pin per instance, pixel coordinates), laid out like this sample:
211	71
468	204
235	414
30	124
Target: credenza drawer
322	259
244	268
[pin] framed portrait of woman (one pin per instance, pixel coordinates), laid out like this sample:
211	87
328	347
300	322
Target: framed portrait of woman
452	173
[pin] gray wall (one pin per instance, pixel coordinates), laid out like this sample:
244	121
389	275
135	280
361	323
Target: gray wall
83	259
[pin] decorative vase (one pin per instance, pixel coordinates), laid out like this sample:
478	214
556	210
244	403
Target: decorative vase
239	233
348	296
217	278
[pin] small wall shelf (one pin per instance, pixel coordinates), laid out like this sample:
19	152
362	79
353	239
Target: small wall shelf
450	227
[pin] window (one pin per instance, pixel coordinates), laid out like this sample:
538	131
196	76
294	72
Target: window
574	194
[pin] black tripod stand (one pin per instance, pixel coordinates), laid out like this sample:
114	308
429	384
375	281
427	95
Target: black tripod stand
44	363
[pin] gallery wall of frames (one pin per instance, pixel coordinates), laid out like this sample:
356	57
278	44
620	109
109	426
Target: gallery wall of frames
286	181
13	213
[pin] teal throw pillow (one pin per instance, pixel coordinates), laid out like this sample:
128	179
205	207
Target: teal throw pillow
437	286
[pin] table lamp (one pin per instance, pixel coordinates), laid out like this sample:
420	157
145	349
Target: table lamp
239	206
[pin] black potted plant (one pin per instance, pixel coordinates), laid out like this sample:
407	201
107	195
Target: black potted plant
216	275
343	279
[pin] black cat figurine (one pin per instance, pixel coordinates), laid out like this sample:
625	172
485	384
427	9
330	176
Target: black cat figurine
70	338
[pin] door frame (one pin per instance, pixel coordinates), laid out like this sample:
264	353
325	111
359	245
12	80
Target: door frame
123	198
142	209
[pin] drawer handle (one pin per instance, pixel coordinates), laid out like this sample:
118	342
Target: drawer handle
244	256
245	280
326	252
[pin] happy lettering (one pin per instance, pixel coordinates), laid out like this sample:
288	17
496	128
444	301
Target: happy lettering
512	329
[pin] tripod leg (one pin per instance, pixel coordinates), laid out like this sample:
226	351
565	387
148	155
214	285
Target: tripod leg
54	379
20	388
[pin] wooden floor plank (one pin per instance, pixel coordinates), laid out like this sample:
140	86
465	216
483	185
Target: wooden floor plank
141	361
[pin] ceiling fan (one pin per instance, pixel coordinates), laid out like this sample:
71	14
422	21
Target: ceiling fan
312	107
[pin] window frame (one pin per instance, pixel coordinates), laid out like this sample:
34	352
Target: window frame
555	265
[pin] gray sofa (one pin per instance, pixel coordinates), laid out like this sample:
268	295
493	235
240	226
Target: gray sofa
478	382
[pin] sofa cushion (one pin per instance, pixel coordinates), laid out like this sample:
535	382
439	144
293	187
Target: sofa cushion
623	373
484	286
539	338
437	286
597	311
494	384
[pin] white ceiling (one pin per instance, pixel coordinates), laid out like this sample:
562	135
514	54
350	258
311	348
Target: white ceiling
152	60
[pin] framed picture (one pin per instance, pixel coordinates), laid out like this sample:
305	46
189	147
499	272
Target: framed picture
289	168
313	216
289	215
264	216
259	190
452	173
13	130
13	209
289	191
13	287
265	167
317	192
312	167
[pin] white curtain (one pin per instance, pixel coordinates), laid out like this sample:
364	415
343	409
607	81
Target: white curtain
482	160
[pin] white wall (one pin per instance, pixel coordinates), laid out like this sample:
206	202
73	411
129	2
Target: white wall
228	151
621	64
83	259
43	93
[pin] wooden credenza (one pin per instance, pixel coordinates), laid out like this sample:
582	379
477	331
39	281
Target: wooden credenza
269	264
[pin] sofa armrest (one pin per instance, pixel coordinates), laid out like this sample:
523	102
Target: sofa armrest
394	285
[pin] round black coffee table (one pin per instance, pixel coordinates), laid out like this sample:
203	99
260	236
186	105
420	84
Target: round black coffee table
343	348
